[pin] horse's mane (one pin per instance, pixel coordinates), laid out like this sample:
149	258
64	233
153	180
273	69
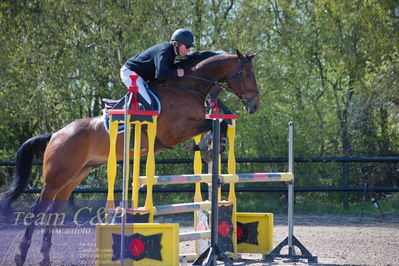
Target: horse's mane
196	57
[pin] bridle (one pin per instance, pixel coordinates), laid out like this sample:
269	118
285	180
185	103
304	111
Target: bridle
223	85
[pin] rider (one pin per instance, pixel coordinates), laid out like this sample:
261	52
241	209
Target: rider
157	62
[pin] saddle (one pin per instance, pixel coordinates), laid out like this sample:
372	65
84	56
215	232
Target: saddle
143	104
110	103
120	104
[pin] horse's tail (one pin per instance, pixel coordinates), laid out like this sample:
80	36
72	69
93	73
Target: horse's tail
33	147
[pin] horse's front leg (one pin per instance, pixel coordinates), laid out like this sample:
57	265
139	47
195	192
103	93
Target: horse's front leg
222	142
197	127
203	145
223	135
205	142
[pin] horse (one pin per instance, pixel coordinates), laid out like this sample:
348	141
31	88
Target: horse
71	153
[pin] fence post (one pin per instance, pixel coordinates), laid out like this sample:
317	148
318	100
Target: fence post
345	182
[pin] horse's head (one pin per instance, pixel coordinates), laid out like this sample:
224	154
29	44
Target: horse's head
243	83
216	68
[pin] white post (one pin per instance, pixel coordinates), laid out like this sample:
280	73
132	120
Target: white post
125	173
291	249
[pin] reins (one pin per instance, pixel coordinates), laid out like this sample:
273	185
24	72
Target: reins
223	85
213	82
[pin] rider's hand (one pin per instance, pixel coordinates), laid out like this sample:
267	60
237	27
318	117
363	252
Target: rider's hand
180	72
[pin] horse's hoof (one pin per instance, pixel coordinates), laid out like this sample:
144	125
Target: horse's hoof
206	142
222	149
208	156
5	209
189	146
45	262
209	139
19	261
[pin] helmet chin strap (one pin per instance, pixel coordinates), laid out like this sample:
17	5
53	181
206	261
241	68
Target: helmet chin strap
176	48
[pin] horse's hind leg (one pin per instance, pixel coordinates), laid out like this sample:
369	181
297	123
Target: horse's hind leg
27	238
39	208
51	220
54	213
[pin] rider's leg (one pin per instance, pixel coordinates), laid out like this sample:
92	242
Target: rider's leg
125	76
143	89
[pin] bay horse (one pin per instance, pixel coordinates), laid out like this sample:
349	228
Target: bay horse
72	152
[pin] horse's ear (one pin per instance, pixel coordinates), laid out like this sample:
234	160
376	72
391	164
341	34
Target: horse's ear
251	56
240	56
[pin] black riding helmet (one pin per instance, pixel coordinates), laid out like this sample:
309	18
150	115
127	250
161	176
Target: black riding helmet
183	36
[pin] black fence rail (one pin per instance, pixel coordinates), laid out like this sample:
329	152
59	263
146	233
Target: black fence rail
343	174
265	160
239	189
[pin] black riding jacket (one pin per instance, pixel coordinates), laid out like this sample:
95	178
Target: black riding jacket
154	63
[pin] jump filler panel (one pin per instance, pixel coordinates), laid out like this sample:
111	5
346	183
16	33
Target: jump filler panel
145	244
254	232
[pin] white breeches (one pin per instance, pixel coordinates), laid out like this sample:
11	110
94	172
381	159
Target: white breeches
125	76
